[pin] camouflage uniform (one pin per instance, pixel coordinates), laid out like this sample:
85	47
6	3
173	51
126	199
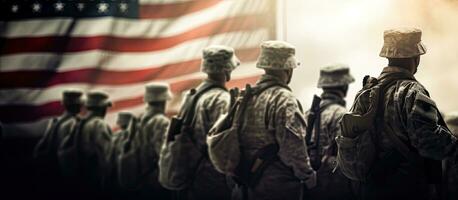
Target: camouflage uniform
275	117
95	145
153	127
207	182
452	163
331	184
414	119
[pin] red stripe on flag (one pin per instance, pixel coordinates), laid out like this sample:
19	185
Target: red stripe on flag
28	113
155	11
42	79
61	44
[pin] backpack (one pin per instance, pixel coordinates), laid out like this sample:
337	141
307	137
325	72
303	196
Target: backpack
359	161
175	166
224	144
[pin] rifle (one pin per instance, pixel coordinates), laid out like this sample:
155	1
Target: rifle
313	114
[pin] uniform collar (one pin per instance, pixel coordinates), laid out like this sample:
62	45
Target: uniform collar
333	97
151	110
393	70
269	78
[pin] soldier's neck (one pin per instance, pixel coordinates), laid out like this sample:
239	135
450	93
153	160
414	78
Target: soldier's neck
151	110
394	69
94	113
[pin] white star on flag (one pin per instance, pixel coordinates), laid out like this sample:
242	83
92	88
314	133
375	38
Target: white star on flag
14	8
36	7
59	6
103	7
123	7
80	6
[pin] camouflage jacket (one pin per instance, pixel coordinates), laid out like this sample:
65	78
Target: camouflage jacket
54	134
275	117
330	122
153	127
414	118
208	183
95	149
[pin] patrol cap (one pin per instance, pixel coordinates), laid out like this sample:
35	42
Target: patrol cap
72	96
97	99
402	43
124	118
218	59
157	91
277	55
335	75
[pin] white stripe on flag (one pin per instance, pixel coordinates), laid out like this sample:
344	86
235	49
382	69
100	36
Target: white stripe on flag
138	28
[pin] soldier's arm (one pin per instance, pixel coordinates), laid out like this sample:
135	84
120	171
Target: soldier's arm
289	132
219	105
334	123
424	130
160	131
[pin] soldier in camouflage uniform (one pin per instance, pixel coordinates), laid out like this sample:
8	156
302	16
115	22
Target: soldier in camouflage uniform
452	163
46	149
334	80
409	115
153	127
95	145
117	139
274	117
218	63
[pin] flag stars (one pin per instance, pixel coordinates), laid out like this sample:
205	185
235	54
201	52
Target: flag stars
80	6
123	7
36	7
102	7
59	6
14	8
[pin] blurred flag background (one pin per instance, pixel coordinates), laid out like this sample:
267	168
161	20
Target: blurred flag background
117	46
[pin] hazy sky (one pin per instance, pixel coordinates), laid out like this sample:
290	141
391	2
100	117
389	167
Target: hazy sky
351	31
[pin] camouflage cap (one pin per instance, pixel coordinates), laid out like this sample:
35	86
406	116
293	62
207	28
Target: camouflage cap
402	43
72	96
157	91
98	99
335	75
277	55
124	118
218	59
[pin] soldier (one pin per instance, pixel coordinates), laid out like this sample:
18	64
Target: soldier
46	149
275	119
153	127
452	163
218	63
123	121
411	138
334	80
95	140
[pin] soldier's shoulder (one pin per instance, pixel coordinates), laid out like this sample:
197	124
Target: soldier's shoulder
215	94
160	118
410	86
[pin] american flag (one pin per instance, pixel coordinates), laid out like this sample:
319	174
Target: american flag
117	46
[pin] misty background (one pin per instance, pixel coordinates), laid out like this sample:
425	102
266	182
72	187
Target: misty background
351	32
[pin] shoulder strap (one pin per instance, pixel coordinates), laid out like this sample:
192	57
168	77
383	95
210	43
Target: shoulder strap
190	106
400	146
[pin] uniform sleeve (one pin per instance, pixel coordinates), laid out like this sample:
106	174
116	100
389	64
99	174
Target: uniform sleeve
219	106
102	140
334	124
160	130
431	139
290	131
